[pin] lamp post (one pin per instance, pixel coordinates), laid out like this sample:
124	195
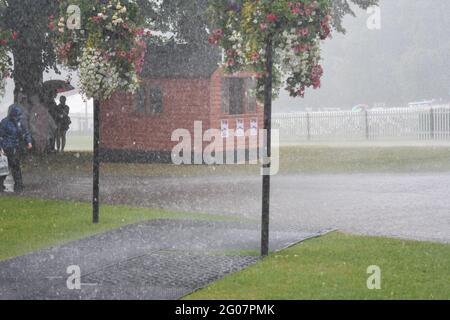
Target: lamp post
265	223
96	164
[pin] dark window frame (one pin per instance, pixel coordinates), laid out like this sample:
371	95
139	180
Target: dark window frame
149	100
238	95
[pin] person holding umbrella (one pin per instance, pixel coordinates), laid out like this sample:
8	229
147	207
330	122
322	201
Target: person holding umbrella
51	89
63	124
12	133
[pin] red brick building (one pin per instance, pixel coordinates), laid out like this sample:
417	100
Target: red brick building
181	84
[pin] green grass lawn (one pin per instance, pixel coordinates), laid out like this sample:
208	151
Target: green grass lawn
300	159
27	225
79	142
323	159
335	267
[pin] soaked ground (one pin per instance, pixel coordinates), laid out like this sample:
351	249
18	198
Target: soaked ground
156	260
169	259
411	206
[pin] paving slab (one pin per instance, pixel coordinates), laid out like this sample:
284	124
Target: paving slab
154	260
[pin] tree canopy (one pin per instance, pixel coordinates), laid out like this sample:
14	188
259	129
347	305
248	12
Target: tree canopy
34	53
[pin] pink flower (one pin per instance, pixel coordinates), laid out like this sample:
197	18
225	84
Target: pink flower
272	17
303	32
139	32
141	43
255	56
218	32
263	26
300	48
231	62
230	52
213	39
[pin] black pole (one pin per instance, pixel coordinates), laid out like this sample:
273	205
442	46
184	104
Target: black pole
268	145
96	164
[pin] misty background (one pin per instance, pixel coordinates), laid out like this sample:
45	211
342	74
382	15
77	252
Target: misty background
407	60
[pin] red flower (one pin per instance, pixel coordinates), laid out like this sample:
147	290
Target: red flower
213	39
303	32
51	25
139	32
255	56
230	62
218	32
14	35
272	17
300	48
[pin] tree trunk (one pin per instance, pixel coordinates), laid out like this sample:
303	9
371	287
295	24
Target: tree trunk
28	71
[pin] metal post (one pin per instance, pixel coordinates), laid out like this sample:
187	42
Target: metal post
308	126
366	113
96	164
432	135
268	146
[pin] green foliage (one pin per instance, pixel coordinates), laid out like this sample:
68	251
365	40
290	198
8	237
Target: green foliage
244	29
107	44
342	8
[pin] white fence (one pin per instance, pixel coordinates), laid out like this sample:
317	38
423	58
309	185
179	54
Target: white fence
399	124
81	123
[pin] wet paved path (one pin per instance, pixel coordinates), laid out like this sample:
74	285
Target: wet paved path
412	206
155	260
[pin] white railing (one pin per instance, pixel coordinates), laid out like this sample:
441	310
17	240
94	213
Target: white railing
397	124
81	123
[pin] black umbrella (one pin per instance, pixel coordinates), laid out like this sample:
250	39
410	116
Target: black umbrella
58	86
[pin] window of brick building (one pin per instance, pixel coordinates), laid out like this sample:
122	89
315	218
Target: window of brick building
140	100
251	94
238	95
155	100
149	100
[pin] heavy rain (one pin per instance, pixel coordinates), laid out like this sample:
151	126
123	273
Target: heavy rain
224	149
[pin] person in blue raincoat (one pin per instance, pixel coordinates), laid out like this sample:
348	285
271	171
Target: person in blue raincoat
14	132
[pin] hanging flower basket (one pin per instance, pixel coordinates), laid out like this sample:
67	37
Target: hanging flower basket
296	28
105	40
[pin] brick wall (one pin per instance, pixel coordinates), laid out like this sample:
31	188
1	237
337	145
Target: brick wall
184	101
